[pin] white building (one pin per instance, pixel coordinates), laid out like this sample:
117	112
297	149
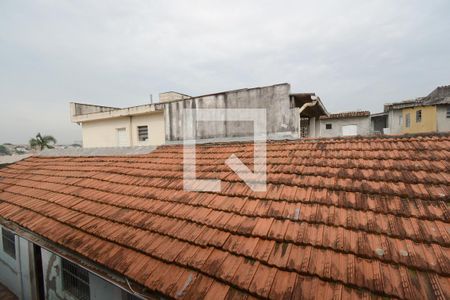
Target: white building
345	124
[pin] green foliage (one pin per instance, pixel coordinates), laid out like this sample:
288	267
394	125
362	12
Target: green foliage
41	142
4	150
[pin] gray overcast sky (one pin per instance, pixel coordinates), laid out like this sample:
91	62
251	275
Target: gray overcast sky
353	54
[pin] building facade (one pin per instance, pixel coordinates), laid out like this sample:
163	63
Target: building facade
345	124
425	114
128	127
287	116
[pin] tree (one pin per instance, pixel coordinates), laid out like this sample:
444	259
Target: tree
4	150
41	142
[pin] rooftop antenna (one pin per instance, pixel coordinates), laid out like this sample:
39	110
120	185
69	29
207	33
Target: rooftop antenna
151	99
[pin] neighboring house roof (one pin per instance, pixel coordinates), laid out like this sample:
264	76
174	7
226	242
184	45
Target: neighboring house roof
80	112
342	218
98	151
343	115
9	159
439	96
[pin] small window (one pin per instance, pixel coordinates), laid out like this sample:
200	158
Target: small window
407	120
448	112
328	126
142	133
75	280
400	120
9	243
418	116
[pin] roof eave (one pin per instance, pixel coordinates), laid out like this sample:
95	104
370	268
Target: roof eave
112	277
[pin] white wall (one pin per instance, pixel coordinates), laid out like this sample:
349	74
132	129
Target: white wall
15	273
363	124
9	269
103	133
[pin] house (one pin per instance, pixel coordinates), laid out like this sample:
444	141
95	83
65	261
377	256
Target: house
345	124
425	114
288	115
345	218
119	127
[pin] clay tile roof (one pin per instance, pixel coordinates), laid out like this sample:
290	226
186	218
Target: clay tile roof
349	114
342	218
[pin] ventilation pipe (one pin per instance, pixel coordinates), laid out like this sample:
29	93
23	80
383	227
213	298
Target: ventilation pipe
301	109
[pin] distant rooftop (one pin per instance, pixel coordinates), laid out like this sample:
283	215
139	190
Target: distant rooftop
349	114
439	96
102	151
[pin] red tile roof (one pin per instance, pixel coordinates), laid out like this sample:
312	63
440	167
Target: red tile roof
344	218
349	114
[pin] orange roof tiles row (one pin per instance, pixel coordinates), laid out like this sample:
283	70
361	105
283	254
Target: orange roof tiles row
328	226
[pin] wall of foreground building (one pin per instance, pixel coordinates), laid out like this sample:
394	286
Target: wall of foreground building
99	288
15	273
18	275
103	133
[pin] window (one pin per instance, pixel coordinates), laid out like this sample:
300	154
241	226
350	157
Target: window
9	243
448	111
349	130
418	116
407	120
328	126
75	280
400	120
142	133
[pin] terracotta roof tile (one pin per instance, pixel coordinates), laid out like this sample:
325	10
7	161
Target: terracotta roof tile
341	218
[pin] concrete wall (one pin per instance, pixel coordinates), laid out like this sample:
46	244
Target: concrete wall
15	273
395	121
443	123
171	96
427	124
82	109
314	127
363	124
99	288
280	116
103	133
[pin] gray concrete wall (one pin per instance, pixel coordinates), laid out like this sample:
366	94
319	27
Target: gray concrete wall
443	123
393	121
82	109
314	127
363	124
280	117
